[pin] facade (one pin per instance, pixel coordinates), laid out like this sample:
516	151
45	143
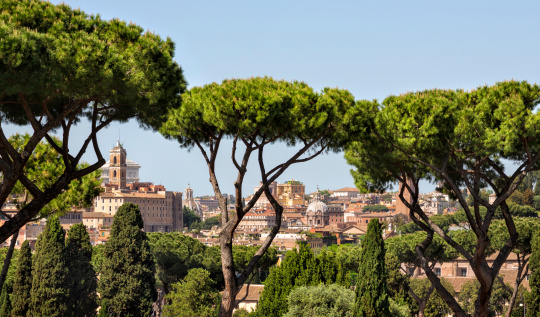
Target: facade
161	210
317	214
347	192
291	193
258	221
191	203
335	214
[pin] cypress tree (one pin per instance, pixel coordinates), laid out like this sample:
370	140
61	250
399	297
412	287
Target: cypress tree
533	298
528	197
82	277
22	283
48	296
127	279
371	288
537	188
5	299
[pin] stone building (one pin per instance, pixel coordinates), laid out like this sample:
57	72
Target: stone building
191	203
118	159
317	214
161	210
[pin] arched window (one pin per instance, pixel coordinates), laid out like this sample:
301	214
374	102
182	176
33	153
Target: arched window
114	160
114	174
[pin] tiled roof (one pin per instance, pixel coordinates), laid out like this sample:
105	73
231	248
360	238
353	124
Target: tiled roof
347	189
253	293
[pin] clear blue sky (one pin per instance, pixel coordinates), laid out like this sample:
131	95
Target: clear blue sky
371	48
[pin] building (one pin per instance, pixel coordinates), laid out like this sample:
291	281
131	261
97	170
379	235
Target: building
317	214
291	193
401	208
118	159
347	193
161	210
258	220
335	214
191	203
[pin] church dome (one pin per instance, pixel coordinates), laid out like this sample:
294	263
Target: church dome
317	207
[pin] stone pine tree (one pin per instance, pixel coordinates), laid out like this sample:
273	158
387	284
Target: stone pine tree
22	283
48	296
82	277
127	280
533	298
371	288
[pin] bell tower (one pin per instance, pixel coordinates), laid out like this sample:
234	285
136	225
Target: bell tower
117	168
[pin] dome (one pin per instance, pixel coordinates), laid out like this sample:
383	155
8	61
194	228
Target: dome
317	207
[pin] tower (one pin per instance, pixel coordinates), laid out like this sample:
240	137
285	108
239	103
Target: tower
117	168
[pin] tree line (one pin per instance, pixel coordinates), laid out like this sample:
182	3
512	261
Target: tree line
459	138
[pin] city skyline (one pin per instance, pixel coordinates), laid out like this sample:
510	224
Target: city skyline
373	50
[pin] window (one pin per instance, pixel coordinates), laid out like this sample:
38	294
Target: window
438	271
411	271
462	272
109	208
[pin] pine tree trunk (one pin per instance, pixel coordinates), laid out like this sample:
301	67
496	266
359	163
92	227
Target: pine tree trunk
227	264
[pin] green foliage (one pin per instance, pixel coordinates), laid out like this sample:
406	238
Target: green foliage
399	310
82	278
269	109
97	257
22	283
54	55
398	283
302	268
404	248
533	298
435	307
205	225
469	294
127	279
375	208
517	197
372	289
525	227
49	293
175	254
43	168
189	217
320	301
195	296
528	197
6	298
243	254
536	202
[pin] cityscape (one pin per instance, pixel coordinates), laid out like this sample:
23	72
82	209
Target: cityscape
252	159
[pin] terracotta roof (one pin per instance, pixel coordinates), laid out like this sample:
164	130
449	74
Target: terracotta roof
96	214
253	293
347	189
132	195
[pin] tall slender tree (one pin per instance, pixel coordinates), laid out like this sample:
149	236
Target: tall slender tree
127	280
49	294
371	288
82	277
22	283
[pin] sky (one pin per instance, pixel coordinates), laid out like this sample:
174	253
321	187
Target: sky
371	48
